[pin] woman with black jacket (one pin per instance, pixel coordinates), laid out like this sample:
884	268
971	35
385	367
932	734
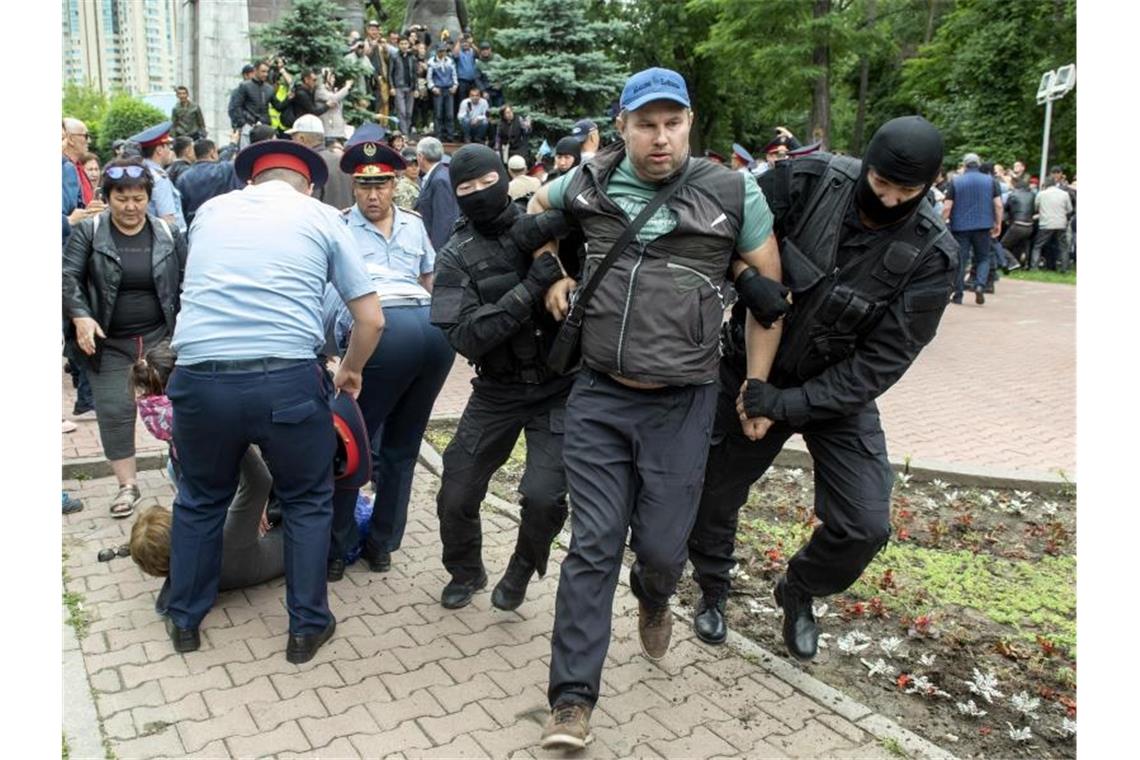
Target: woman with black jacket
122	274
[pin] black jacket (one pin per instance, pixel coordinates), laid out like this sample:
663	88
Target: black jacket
305	103
1019	206
254	99
92	273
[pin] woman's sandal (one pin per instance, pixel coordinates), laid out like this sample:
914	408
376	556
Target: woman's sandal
125	501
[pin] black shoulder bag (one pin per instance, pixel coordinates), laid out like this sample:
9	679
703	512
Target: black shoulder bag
566	353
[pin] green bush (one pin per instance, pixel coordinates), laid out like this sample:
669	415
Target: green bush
89	105
126	116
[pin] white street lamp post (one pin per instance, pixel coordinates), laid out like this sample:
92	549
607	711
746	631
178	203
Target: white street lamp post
1054	86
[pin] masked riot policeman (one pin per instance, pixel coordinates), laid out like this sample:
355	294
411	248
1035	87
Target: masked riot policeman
870	267
488	300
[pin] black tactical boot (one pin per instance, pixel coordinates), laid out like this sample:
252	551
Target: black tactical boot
708	622
458	594
801	634
510	591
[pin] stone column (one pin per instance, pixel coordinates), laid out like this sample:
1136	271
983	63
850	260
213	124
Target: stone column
215	44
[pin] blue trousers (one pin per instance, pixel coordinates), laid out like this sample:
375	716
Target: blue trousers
217	415
975	244
401	380
444	115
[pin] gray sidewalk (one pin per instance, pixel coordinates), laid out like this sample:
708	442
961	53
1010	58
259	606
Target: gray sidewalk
405	678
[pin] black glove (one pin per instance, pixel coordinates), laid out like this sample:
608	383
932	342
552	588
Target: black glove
532	230
765	298
788	405
544	271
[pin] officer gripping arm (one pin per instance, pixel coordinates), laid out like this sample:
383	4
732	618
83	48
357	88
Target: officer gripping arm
474	327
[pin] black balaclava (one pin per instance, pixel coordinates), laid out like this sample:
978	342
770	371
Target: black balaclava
487	209
907	151
568	146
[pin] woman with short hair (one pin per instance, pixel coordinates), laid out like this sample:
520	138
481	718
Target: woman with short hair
122	274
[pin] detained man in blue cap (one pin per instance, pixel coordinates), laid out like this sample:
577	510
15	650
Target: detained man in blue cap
247	372
409	366
640	415
165	202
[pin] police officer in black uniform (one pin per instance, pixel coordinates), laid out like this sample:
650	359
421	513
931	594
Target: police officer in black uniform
488	300
870	268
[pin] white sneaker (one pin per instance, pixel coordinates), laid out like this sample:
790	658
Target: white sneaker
69	426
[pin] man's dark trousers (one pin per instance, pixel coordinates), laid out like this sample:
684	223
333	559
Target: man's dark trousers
495	415
217	415
852	496
400	383
977	241
635	459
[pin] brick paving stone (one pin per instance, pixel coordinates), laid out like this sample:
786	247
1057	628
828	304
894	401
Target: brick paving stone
464	668
419	704
690	681
342	747
152	631
402	592
794	711
355	671
463	746
638	698
844	727
537	672
405	617
700	743
405	683
773	684
416	656
748	734
173	666
134	655
445	626
221	701
191	707
407	736
148	694
369	691
640	728
269	715
94	643
254	629
197	734
683	717
502	742
616	680
470	718
234	651
813	740
493	636
529	702
287	737
479	688
528	651
354	720
165	743
244	672
290	685
369	644
213	678
120	727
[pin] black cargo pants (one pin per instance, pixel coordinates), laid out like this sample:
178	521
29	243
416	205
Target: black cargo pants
495	415
634	463
852	496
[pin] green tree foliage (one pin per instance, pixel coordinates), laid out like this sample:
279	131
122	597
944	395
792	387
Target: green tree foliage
977	79
124	117
89	106
555	66
309	36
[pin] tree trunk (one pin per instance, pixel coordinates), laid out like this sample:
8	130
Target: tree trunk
864	71
820	121
929	21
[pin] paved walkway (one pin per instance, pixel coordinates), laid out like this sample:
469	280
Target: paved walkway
405	678
996	388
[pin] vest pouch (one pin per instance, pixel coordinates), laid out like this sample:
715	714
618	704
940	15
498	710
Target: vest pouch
800	273
823	351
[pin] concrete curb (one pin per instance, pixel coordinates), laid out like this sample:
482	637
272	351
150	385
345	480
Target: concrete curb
80	718
873	723
92	468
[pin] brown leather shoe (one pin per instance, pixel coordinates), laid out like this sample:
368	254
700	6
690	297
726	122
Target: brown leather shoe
568	727
654	628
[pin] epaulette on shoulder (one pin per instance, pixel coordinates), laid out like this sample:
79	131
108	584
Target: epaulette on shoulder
413	212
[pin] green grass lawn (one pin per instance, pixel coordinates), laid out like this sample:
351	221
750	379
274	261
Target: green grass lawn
1045	275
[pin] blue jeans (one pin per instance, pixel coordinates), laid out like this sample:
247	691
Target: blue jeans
217	415
400	383
476	132
972	245
444	115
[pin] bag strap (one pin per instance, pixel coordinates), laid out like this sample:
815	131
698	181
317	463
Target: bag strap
662	195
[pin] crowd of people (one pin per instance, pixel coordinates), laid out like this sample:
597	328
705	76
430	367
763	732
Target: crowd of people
284	317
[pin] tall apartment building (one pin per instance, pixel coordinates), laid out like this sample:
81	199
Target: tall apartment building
121	45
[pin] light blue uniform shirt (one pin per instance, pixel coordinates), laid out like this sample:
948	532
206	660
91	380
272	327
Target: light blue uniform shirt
256	272
394	264
165	198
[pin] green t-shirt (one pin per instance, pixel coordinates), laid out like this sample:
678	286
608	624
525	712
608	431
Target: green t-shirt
632	194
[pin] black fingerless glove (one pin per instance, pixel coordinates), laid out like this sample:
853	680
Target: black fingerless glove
762	399
765	298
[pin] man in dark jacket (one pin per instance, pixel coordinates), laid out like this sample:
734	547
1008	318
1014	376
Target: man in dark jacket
402	80
436	203
304	99
233	109
254	98
205	178
641	412
488	300
1019	211
870	266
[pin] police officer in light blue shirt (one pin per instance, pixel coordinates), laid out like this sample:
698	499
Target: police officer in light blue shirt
157	153
247	373
409	366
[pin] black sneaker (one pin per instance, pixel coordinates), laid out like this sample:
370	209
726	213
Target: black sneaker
510	592
459	593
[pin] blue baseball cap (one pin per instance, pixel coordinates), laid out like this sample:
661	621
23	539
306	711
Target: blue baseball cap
654	84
